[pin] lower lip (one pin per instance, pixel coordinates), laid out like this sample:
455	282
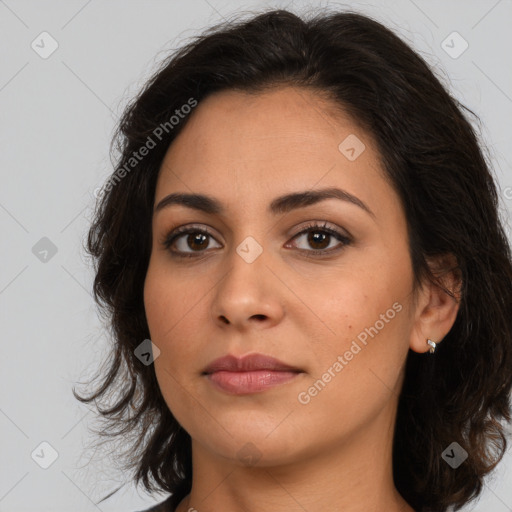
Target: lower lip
240	383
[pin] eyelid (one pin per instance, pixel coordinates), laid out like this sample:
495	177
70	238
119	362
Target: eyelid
321	225
341	235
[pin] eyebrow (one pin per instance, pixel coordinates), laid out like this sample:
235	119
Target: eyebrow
279	205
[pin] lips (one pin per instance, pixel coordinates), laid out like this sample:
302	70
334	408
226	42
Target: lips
249	363
250	374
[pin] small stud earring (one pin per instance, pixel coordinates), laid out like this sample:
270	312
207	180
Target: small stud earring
432	346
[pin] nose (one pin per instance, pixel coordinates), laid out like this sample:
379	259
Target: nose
249	295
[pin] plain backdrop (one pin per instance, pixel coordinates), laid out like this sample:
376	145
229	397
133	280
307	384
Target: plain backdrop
57	113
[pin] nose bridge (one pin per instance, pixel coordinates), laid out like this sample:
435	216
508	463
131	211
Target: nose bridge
245	291
246	268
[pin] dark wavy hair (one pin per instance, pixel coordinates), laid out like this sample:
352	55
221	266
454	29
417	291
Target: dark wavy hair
430	153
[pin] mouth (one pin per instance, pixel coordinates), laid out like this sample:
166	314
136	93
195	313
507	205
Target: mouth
250	374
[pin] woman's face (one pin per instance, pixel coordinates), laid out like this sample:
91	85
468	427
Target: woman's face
336	305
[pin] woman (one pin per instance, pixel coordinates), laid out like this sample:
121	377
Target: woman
306	275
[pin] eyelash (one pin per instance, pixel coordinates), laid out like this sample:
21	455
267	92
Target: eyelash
322	228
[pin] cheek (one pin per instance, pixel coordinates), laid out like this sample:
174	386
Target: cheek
358	372
367	313
165	317
166	313
172	301
174	306
361	294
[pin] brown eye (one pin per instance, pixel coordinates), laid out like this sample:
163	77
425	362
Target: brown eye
320	239
317	239
187	241
197	241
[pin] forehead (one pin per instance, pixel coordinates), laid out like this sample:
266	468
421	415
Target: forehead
275	120
284	139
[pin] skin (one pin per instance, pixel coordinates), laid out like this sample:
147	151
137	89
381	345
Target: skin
333	453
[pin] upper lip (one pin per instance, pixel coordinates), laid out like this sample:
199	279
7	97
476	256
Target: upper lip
251	362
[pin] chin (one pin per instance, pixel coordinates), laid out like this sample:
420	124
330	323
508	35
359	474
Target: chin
254	443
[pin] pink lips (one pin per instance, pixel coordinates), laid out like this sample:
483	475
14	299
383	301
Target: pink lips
249	374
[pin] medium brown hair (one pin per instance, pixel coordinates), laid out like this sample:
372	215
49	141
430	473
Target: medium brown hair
432	157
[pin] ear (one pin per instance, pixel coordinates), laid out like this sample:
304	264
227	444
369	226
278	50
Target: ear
436	310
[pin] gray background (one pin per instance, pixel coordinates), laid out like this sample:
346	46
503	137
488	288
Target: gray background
57	116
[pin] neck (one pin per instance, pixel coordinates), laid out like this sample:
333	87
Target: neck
354	477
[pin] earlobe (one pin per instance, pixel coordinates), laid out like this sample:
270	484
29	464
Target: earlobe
437	305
